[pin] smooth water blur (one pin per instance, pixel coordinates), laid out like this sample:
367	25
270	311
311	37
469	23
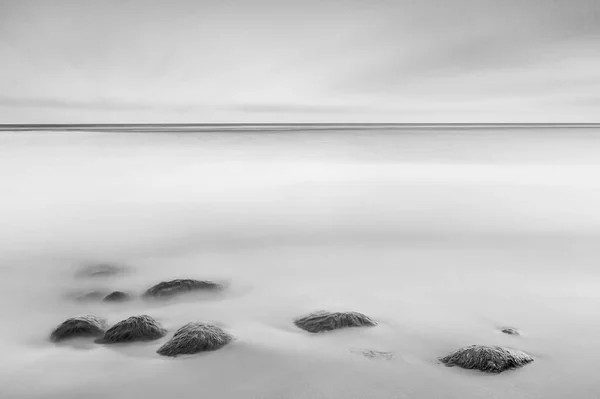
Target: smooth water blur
442	235
133	193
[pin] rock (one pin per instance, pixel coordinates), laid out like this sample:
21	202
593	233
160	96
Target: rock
100	270
375	354
490	359
91	296
171	288
511	331
82	326
135	328
117	296
327	321
195	337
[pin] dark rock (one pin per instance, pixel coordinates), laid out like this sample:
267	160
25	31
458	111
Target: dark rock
117	296
194	338
171	288
327	321
490	359
511	331
83	326
135	328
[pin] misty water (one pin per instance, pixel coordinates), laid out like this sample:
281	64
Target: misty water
442	235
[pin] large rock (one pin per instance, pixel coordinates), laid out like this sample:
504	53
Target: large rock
195	337
490	359
135	328
327	321
171	288
82	326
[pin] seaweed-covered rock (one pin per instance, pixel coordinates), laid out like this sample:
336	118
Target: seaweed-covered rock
135	328
171	288
511	331
117	296
82	326
327	321
100	270
194	338
490	359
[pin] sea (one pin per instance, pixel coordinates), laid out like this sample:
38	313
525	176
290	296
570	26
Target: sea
444	234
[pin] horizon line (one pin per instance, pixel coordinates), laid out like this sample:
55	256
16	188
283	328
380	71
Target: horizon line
6	126
308	123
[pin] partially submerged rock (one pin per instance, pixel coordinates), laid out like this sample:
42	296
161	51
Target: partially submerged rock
511	331
490	359
117	296
327	321
135	328
82	326
171	288
195	337
90	296
374	354
100	270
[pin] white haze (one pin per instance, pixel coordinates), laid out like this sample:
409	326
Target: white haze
442	236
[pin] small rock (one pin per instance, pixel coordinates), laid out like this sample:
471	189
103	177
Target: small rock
117	296
375	354
91	296
171	288
100	270
511	331
326	321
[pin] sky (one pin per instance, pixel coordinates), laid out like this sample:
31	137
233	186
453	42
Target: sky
278	61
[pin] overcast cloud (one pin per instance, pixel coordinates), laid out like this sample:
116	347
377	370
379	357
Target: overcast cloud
306	61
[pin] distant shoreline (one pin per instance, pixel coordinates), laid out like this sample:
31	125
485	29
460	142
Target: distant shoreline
199	127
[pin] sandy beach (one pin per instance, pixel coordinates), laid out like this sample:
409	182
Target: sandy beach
442	237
